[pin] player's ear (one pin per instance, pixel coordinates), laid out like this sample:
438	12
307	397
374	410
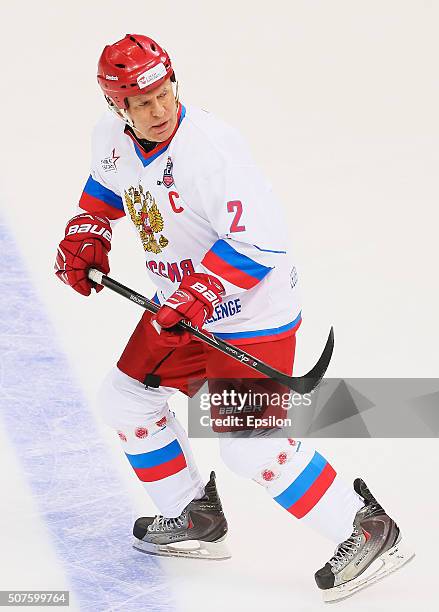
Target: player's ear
176	96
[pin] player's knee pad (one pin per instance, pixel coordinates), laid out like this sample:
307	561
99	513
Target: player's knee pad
261	459
125	404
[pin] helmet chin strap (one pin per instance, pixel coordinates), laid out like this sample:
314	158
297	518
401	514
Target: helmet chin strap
122	113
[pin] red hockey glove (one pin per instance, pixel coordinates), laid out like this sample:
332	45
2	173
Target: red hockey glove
86	245
194	301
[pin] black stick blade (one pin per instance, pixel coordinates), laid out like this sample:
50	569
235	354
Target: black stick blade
299	384
308	382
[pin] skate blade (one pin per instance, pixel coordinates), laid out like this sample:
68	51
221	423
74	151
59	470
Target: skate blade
393	559
191	549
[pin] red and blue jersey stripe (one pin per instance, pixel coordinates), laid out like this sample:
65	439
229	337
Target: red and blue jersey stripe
225	261
159	463
100	200
308	488
148	157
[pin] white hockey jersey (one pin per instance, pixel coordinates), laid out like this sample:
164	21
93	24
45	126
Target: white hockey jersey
198	203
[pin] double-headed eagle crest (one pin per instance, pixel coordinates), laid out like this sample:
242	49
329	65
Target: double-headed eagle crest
146	217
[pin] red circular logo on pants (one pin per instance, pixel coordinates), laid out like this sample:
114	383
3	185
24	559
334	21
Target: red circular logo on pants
268	475
141	432
282	458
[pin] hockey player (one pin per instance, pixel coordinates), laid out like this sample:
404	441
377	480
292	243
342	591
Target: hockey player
215	244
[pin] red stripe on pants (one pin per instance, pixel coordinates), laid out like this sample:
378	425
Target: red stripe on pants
161	471
314	493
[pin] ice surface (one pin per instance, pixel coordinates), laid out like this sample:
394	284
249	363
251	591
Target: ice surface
70	473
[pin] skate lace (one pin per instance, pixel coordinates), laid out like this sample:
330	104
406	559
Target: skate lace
161	523
346	550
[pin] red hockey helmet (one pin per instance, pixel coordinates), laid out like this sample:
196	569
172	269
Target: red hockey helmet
132	66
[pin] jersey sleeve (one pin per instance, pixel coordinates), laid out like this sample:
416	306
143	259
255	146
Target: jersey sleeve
248	219
97	198
101	193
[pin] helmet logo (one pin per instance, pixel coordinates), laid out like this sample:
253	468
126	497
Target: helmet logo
151	76
110	77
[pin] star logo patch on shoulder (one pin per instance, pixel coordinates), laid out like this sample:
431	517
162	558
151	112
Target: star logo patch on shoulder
109	163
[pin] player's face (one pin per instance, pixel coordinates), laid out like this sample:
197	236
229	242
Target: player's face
154	113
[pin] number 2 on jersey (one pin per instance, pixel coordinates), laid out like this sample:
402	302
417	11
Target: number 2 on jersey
235	206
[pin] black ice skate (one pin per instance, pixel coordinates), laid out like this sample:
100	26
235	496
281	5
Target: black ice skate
373	551
198	533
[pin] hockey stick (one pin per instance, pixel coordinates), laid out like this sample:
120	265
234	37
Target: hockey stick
300	384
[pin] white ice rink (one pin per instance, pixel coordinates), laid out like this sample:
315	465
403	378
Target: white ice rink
339	100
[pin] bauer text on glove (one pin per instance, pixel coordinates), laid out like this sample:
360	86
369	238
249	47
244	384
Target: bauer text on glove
194	301
86	244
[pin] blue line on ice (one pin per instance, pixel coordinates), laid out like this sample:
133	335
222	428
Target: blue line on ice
68	468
